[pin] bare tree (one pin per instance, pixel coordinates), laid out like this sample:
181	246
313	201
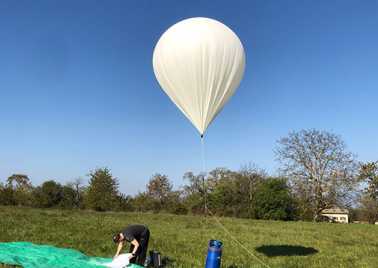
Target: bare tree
77	186
322	172
195	184
254	176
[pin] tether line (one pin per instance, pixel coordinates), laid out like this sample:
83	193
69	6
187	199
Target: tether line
208	211
237	241
204	174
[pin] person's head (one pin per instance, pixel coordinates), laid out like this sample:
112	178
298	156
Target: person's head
117	238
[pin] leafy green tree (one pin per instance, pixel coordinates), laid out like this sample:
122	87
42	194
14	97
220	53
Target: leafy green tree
273	200
232	193
175	203
369	176
222	192
158	188
229	193
125	202
69	197
19	190
19	181
6	195
48	195
248	180
142	202
102	192
193	193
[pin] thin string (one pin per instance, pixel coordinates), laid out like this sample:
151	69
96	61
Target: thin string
208	211
204	174
204	220
237	241
203	155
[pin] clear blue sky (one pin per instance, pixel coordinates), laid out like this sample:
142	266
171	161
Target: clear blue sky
77	90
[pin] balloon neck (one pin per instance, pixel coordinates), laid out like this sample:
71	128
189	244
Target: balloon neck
201	136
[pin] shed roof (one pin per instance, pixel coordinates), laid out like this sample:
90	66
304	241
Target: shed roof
335	211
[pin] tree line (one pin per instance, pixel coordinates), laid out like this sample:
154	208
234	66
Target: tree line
316	172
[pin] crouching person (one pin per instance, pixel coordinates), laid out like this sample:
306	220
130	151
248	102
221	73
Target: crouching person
138	236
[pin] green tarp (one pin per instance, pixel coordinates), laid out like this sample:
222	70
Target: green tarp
29	255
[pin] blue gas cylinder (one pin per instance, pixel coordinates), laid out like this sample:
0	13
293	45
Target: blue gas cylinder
214	254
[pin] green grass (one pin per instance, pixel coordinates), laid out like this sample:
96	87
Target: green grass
184	238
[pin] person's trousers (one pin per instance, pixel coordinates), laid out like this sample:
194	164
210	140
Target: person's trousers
140	255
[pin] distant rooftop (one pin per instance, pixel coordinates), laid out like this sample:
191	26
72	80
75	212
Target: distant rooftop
335	211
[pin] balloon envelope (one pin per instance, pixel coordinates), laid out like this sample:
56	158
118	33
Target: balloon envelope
199	63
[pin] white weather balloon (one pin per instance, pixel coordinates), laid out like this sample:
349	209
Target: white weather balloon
199	63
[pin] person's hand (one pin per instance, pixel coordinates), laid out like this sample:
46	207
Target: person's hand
132	255
115	256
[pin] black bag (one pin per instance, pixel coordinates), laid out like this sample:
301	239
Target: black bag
156	259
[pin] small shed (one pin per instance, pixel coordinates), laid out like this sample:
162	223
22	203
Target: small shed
336	214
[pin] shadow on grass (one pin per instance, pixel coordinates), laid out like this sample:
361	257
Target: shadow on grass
286	250
168	262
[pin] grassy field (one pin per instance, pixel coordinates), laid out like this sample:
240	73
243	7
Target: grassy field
184	238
